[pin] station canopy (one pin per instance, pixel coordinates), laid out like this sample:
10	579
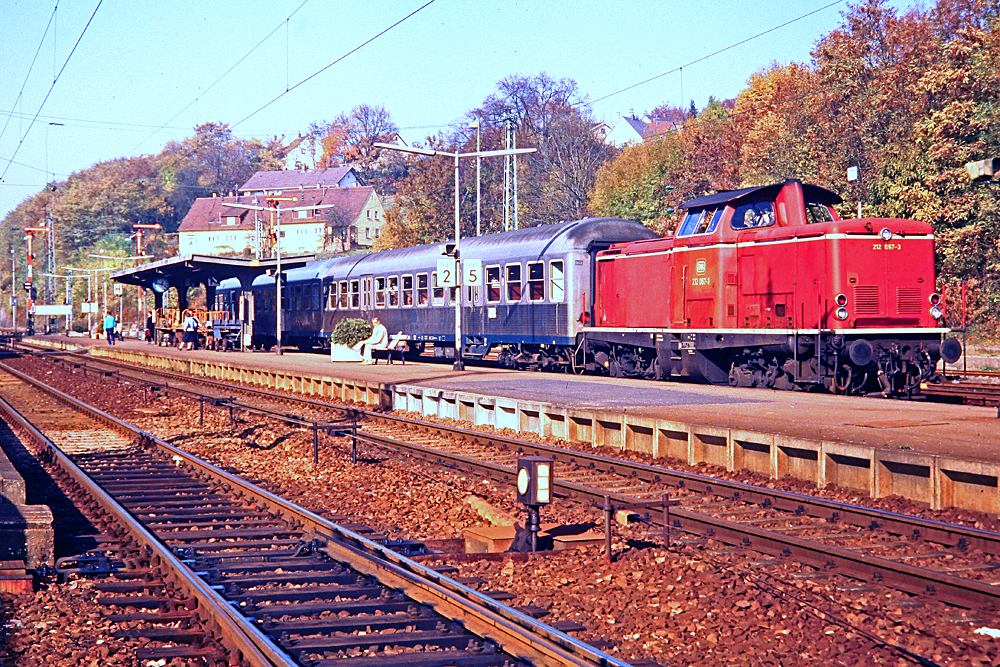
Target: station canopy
185	271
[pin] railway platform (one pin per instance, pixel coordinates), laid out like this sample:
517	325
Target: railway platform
941	455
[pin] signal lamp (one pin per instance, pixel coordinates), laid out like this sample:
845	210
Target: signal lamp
934	298
841	299
842	313
936	312
886	234
534	480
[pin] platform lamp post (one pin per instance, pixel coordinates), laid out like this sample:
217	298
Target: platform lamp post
28	287
138	227
274	205
456	156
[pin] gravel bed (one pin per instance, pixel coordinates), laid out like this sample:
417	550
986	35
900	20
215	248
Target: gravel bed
694	604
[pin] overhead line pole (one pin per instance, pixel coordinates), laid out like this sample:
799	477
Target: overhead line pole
459	365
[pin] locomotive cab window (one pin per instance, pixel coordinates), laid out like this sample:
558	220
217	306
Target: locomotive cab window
393	291
421	289
513	282
407	290
818	213
536	281
753	214
710	221
557	281
494	290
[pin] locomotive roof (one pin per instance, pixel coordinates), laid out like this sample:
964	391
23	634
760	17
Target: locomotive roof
812	193
529	242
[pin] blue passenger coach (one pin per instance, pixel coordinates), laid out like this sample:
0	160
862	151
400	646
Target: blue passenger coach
536	295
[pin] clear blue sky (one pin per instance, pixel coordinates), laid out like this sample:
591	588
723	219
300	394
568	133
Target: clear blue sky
145	73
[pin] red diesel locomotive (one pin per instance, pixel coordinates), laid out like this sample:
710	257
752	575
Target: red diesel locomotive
767	286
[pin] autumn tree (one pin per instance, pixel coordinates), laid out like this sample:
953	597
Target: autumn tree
636	185
349	139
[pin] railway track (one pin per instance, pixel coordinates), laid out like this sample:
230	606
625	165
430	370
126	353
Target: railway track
264	581
949	562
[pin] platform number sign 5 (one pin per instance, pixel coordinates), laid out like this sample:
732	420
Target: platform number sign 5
447	273
472	272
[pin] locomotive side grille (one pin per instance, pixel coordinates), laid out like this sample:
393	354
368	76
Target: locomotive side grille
866	299
908	300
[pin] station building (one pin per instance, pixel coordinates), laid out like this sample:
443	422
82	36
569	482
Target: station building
348	214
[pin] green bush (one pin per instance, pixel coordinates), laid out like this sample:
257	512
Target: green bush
351	331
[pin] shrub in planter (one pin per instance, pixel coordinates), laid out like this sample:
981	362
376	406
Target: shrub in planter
351	331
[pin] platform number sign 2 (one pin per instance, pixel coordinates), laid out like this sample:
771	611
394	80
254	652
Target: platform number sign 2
447	274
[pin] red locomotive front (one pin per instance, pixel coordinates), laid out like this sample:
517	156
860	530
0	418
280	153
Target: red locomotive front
767	286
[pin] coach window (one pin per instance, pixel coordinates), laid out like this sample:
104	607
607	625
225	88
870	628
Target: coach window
472	295
315	296
494	290
513	282
753	214
557	281
345	295
393	291
355	294
407	290
329	296
437	298
284	299
380	292
536	281
421	289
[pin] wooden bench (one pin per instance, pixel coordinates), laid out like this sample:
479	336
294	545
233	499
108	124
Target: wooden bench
397	345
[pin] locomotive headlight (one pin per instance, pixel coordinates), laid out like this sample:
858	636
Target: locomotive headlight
936	312
842	313
934	298
841	299
886	234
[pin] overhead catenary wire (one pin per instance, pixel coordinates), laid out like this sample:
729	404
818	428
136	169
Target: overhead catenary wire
51	88
720	51
349	53
30	68
222	76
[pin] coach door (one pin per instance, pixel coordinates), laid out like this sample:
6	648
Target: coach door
366	296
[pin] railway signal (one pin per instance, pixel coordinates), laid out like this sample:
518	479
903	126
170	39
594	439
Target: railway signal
534	489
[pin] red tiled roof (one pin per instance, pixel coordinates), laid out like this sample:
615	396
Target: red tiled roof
281	180
208	213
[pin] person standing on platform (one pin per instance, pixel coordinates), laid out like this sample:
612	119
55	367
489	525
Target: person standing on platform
150	331
379	340
109	326
191	324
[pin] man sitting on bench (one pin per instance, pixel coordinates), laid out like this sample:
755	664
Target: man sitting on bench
379	340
